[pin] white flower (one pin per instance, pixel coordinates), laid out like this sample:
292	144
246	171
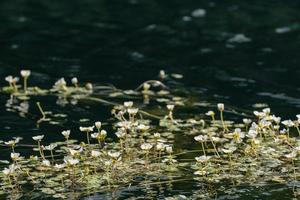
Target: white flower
259	114
46	163
71	161
169	149
128	104
146	146
114	155
162	74
10	170
107	163
132	111
25	73
74	81
60	166
74	152
170	107
13	142
11	79
15	156
157	135
288	123
252	134
202	159
103	133
238	135
86	129
201	172
100	135
160	146
95	153
98	125
229	150
220	107
143	127
210	113
38	137
66	134
89	86
276	119
267	111
51	147
201	138
146	86
247	121
60	84
120	133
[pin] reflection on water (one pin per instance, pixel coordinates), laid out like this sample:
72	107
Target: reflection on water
229	51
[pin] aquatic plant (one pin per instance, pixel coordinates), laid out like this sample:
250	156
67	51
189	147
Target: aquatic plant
142	141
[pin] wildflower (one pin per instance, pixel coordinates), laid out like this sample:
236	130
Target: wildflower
51	147
128	104
247	121
160	146
200	172
87	130
114	155
170	107
146	146
288	123
15	156
162	74
60	166
202	159
25	74
89	86
169	149
10	170
38	138
146	86
121	133
229	150
259	114
95	154
77	152
66	134
99	136
46	163
201	138
71	161
61	84
98	125
238	135
143	127
12	82
252	134
75	82
132	111
211	114
220	107
267	111
156	135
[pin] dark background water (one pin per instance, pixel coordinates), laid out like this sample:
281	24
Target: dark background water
126	42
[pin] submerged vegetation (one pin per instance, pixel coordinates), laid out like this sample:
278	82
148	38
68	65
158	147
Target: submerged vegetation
138	145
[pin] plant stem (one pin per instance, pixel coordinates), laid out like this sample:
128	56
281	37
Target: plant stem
41	110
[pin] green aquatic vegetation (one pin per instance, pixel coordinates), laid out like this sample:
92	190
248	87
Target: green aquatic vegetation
144	140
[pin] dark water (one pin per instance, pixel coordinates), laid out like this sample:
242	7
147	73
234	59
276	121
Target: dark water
127	42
